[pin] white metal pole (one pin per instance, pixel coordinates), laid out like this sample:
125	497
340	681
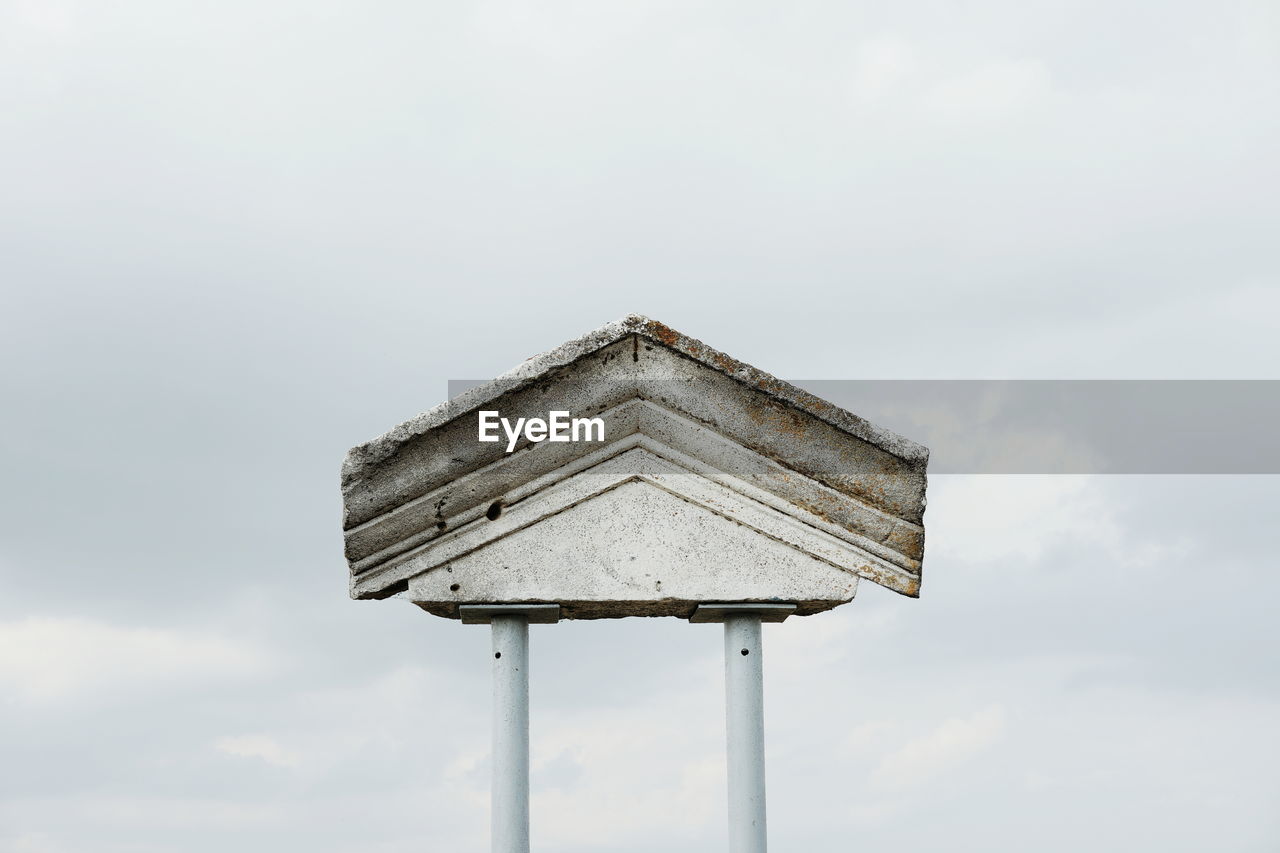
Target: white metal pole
744	704
509	820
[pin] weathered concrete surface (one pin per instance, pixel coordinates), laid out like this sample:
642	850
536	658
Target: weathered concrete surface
716	482
648	551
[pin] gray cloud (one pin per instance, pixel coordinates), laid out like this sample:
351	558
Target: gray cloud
236	241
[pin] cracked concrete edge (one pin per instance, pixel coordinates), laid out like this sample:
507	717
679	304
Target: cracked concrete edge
372	453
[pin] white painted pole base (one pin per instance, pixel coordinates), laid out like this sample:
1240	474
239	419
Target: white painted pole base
744	704
509	819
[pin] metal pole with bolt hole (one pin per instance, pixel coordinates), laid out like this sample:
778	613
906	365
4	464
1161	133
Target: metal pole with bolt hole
744	714
509	820
509	626
744	718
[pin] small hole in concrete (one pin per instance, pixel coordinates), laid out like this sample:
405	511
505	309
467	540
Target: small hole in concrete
497	654
495	510
453	587
745	652
440	525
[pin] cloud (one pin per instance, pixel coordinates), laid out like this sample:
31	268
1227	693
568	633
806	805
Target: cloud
177	812
881	66
991	90
208	216
32	842
892	73
263	747
662	756
46	659
951	743
40	16
983	519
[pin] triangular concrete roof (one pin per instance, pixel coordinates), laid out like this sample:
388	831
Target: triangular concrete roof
683	418
364	456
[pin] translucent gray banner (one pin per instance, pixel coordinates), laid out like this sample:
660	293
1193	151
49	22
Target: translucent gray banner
1069	426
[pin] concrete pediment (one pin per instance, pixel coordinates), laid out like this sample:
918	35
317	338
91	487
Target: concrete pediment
713	482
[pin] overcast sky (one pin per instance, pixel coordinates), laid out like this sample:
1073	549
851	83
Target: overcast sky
238	238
